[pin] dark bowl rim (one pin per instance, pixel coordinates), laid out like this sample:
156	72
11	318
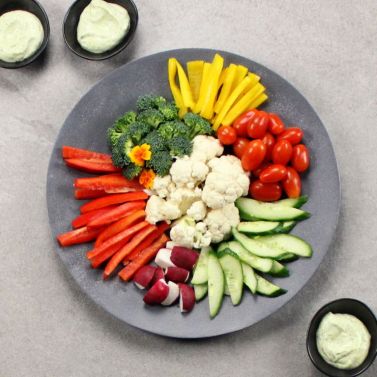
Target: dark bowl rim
41	48
121	46
317	314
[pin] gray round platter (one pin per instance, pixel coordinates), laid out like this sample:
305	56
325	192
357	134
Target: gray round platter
86	127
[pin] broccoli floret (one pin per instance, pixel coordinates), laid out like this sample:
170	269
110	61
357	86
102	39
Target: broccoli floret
119	153
151	116
173	128
131	171
122	123
136	131
180	146
169	110
197	125
156	141
160	162
112	137
149	102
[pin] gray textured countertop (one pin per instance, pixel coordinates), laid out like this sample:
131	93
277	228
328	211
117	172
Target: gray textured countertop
326	49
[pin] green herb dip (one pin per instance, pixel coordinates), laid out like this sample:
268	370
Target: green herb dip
343	340
21	34
102	26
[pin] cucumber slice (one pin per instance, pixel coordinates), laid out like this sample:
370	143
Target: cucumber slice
249	277
256	247
251	209
266	288
233	275
285	227
294	203
258	227
260	264
226	289
288	243
200	291
215	284
200	275
290	257
279	269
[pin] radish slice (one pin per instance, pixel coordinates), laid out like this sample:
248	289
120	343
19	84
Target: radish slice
144	276
183	257
173	294
186	298
157	294
163	258
176	274
158	274
171	244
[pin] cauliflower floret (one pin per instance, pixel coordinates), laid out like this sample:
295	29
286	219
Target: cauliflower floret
162	186
202	236
205	148
186	172
197	211
220	222
225	183
185	197
158	209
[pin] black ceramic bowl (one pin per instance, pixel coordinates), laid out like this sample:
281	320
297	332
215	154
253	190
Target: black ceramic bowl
71	21
34	7
346	306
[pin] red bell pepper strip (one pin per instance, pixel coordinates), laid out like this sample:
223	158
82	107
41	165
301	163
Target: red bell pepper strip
72	152
119	226
76	236
99	259
81	194
92	166
126	249
115	214
143	258
85	218
118	238
161	228
113	199
107	182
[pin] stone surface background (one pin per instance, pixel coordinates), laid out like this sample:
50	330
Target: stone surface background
327	50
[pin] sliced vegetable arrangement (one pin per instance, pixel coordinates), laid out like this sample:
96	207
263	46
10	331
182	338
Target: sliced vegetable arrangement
211	217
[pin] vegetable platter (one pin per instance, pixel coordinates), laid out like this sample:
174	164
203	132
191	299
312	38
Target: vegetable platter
87	127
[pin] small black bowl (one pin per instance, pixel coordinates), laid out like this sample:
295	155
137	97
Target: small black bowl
71	21
34	7
346	306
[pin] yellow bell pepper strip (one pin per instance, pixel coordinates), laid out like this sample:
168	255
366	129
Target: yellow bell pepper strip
254	80
227	86
243	104
222	78
212	86
195	74
240	74
185	87
258	101
230	101
199	103
172	71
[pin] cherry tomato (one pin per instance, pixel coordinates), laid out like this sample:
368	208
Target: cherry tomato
294	135
227	135
253	155
260	168
292	183
273	173
282	152
239	146
275	125
266	192
240	124
269	141
257	126
300	158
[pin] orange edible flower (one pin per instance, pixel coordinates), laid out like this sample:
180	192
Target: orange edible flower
147	177
140	153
